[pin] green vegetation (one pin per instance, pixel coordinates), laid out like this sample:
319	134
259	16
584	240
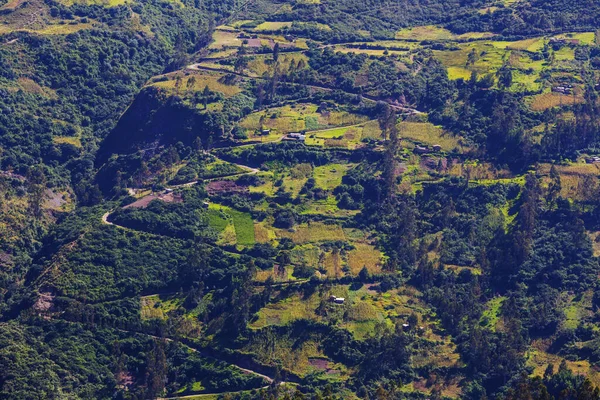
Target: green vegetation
432	231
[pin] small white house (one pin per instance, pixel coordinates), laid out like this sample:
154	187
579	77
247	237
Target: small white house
297	136
337	300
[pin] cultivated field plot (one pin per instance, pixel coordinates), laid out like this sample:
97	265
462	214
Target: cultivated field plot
578	180
179	83
426	133
548	100
104	3
363	309
435	33
234	227
313	232
302	355
349	137
526	58
294	118
286	63
324	250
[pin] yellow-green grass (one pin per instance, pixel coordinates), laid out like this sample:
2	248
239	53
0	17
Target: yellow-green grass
312	233
104	3
345	137
313	25
360	314
268	187
221	218
72	140
261	65
539	358
202	79
276	275
429	134
263	234
486	10
455	73
244	227
370	52
428	32
371	130
157	307
330	176
564	54
273	26
52	29
459	268
225	38
532	45
523	61
295	354
545	101
489	58
240	23
585	38
217	66
287	310
431	32
474	35
484	173
364	255
293	185
491	315
222	53
577	308
389	44
30	86
301	117
575	178
326	207
525	81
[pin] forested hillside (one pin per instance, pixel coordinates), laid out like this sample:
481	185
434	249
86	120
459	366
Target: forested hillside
299	199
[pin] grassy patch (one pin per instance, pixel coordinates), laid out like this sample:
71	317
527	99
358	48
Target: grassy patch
491	315
201	80
157	307
313	232
223	38
429	134
455	73
545	101
72	140
330	176
427	32
273	26
364	255
296	118
223	219
104	3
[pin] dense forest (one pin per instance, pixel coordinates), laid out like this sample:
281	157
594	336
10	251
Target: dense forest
299	199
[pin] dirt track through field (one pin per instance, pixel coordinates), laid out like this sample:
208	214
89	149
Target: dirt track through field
200	67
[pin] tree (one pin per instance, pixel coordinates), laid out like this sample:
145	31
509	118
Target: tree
205	96
178	83
37	190
189	85
156	370
389	160
276	53
554	187
505	77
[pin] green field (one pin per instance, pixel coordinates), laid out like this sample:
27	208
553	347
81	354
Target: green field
224	219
